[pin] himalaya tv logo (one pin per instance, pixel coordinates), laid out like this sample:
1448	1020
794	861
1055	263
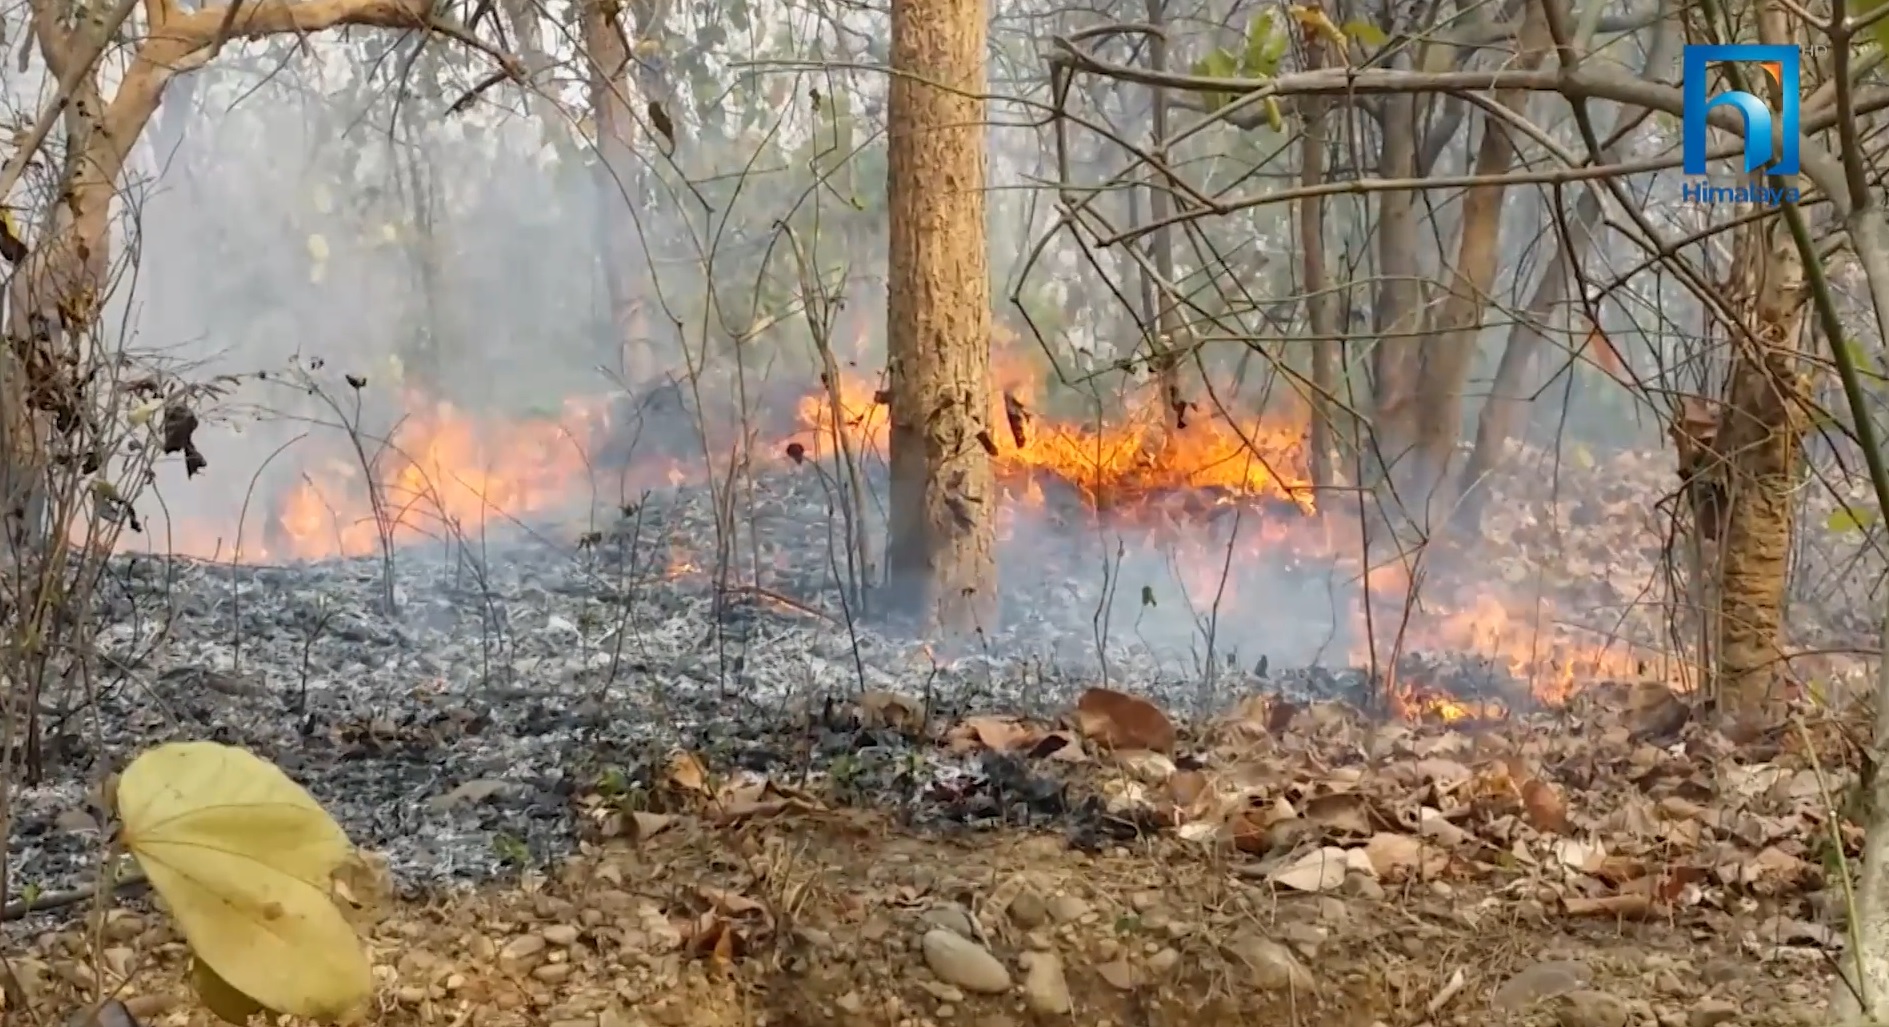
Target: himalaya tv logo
1779	64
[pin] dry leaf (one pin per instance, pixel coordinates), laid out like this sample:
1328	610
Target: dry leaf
687	773
892	711
1546	809
1116	720
644	826
1344	813
998	734
1316	871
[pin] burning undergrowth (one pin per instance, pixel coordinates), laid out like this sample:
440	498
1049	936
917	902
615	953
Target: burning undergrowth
555	621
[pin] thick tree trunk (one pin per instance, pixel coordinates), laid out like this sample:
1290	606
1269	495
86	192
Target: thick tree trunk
1759	432
939	552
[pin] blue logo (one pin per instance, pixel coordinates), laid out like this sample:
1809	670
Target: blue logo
1779	64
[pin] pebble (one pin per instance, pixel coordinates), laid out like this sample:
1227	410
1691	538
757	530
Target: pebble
1590	1008
1271	966
1045	988
1711	1012
561	935
1541	981
953	918
1067	909
963	962
522	947
1028	909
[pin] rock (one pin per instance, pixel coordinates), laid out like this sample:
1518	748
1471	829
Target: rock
1272	966
1711	1012
561	935
1164	961
1541	981
1067	909
963	962
1045	989
1028	909
1119	974
952	918
553	973
522	947
851	1003
1590	1008
943	992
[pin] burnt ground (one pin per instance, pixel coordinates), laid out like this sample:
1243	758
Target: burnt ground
1549	874
495	737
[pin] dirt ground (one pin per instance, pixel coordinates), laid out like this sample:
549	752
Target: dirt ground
1616	865
824	919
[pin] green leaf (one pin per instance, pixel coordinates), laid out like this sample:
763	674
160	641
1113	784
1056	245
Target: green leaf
1147	595
1365	32
1219	64
1850	520
1265	45
1880	30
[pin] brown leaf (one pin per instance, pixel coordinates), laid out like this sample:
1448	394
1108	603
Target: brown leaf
893	711
1547	811
687	773
1116	720
998	734
1344	813
644	826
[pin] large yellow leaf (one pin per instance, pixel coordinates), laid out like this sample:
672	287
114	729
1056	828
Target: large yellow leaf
243	857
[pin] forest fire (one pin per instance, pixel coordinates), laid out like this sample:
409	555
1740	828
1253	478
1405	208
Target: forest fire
1214	497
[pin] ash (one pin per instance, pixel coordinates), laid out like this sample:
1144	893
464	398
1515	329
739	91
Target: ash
452	731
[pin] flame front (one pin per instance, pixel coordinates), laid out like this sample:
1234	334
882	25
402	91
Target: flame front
444	473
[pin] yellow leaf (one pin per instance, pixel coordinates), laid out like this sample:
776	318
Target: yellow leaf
243	856
143	412
1846	520
323	200
648	48
1314	22
1365	32
1582	458
317	249
389	233
1274	119
226	1003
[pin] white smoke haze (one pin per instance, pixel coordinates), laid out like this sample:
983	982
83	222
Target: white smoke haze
303	202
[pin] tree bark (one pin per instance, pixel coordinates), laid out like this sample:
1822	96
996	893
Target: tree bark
939	554
607	53
1759	433
1501	415
1447	355
1161	316
1322	307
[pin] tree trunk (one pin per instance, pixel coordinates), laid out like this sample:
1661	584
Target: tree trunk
1447	355
1756	446
1501	415
1398	307
1322	311
939	553
608	56
1162	317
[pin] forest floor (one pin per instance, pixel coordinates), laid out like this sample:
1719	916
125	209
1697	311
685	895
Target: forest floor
1618	870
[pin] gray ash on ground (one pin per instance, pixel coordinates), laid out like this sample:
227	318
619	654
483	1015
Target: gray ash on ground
528	666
